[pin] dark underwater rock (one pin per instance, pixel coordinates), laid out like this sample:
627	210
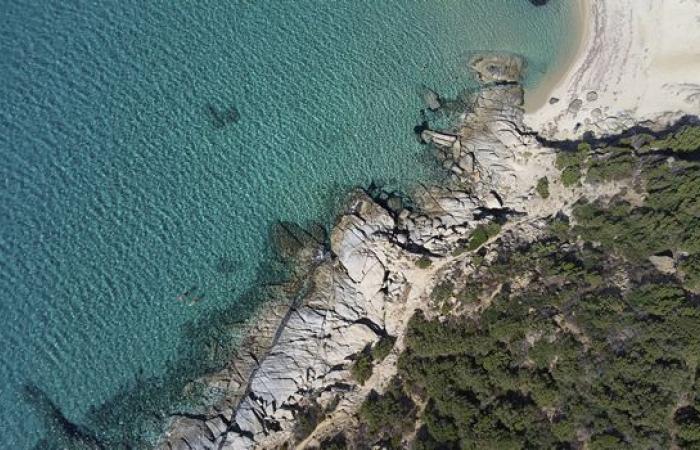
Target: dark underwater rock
221	118
431	99
61	432
497	67
293	243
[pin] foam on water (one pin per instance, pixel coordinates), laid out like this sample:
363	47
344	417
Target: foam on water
117	193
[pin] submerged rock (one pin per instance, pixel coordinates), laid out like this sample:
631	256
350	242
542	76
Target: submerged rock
431	99
497	68
62	433
293	243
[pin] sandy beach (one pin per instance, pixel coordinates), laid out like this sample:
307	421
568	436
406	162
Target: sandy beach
638	61
540	94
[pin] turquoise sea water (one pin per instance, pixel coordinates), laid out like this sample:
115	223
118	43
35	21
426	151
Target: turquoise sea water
118	193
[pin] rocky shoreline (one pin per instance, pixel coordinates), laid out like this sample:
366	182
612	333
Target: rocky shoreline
383	259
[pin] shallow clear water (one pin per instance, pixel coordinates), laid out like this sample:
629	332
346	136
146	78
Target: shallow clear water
118	193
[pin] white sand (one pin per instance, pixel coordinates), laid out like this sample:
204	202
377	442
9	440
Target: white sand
639	61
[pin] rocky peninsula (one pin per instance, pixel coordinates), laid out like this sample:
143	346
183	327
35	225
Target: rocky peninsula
334	335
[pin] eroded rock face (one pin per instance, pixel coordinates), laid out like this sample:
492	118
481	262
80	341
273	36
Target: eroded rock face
351	298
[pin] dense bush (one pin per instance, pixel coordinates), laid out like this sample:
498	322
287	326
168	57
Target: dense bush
690	269
597	350
490	384
667	222
388	416
424	262
382	349
442	292
616	164
306	421
362	367
583	355
481	234
684	140
571	164
542	187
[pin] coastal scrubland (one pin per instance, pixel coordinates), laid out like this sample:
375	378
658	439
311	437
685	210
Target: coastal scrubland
588	335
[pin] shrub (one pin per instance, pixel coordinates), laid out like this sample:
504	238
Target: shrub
337	442
483	233
690	268
442	291
459	250
307	420
616	167
542	187
685	140
478	238
424	262
576	158
687	420
672	205
362	367
571	163
388	414
570	175
382	349
469	294
607	357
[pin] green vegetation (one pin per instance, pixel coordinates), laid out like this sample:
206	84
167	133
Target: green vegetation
542	187
684	140
478	238
469	294
337	442
690	269
388	416
688	422
442	291
382	349
306	421
598	349
459	250
667	222
616	164
538	367
362	366
424	262
571	164
570	176
481	234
